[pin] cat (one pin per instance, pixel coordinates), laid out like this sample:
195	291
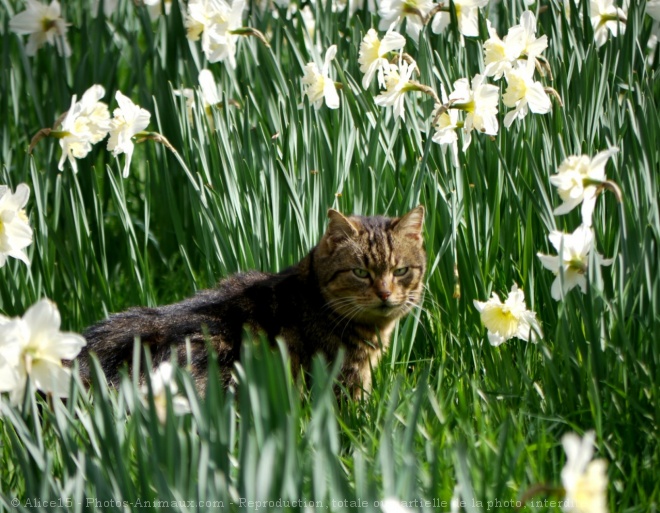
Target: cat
348	292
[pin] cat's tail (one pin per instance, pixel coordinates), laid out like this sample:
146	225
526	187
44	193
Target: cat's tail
113	339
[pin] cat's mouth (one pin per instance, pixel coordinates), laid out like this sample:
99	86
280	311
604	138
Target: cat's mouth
387	309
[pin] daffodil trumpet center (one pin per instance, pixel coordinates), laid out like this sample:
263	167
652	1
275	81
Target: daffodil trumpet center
47	24
579	265
249	31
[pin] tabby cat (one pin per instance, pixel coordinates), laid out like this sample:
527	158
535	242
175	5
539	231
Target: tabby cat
365	273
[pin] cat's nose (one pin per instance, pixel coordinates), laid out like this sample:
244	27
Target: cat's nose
384	294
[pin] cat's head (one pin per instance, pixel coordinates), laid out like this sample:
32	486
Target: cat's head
370	269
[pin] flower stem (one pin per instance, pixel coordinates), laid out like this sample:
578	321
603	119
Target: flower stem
160	138
416	86
249	31
553	92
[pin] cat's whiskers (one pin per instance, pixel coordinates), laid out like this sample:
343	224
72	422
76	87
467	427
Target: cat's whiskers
428	296
418	316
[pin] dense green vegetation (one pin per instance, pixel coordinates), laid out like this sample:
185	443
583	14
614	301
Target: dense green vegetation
450	415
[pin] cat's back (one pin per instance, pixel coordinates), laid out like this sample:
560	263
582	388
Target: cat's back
211	314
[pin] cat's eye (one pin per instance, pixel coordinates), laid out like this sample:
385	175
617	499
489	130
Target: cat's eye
400	271
360	273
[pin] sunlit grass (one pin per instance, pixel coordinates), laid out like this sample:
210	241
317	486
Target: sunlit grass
448	409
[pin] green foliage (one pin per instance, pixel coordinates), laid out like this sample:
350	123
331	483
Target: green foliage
448	409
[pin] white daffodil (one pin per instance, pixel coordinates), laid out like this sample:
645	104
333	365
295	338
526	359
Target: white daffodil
467	14
86	122
480	102
210	96
309	21
584	479
109	7
653	9
523	93
15	231
393	505
393	12
318	84
500	54
509	319
129	119
215	21
373	52
44	24
34	346
523	35
155	7
397	83
162	379
578	180
606	18
446	126
572	260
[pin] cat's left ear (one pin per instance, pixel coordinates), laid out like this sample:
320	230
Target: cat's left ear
410	225
340	228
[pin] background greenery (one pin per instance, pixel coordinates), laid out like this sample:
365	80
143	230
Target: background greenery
447	409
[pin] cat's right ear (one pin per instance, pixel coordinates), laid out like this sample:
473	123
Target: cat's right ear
339	228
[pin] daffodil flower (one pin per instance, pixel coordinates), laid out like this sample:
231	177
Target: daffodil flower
161	381
373	52
524	94
155	7
584	479
393	12
397	83
500	54
44	24
510	319
467	14
606	18
86	122
129	119
319	87
578	180
34	346
393	505
653	9
216	22
480	102
210	96
15	231
446	124
572	260
524	35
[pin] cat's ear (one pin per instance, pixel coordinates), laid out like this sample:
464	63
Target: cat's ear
339	228
410	225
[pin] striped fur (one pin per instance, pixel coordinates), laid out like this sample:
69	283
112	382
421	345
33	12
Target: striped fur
348	292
